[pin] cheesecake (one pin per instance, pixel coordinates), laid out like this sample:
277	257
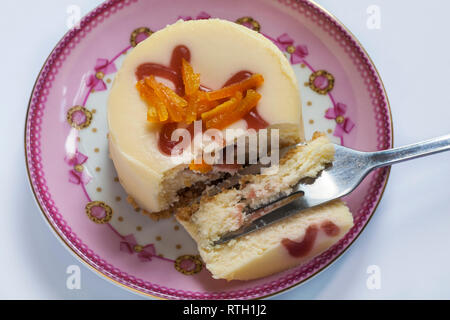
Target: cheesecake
213	73
220	80
278	247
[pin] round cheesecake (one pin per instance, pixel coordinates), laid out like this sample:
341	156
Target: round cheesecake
217	50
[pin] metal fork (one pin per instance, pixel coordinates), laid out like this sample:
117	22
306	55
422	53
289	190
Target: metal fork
348	169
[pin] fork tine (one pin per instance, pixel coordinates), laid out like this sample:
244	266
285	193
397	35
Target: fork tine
278	210
322	190
279	213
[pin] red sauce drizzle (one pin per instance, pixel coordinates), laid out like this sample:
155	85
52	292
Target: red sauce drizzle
302	248
254	120
330	228
165	142
238	77
166	135
173	74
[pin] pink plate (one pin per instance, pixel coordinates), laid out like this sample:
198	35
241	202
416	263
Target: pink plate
74	180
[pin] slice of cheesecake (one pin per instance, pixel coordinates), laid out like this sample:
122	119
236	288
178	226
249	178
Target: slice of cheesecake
285	244
223	54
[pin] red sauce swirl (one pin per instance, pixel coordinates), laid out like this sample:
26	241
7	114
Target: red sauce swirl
302	248
173	74
330	228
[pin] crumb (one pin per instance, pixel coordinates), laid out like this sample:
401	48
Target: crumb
186	213
133	203
156	216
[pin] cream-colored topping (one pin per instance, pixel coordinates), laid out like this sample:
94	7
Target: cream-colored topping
219	49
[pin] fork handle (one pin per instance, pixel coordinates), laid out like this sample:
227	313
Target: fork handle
421	149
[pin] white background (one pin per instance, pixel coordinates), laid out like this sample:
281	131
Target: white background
408	238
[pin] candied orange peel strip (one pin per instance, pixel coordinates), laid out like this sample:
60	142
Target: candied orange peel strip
200	167
239	110
254	81
174	103
217	109
202	104
191	80
157	111
224	108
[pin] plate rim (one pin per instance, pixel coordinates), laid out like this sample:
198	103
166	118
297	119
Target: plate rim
189	294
